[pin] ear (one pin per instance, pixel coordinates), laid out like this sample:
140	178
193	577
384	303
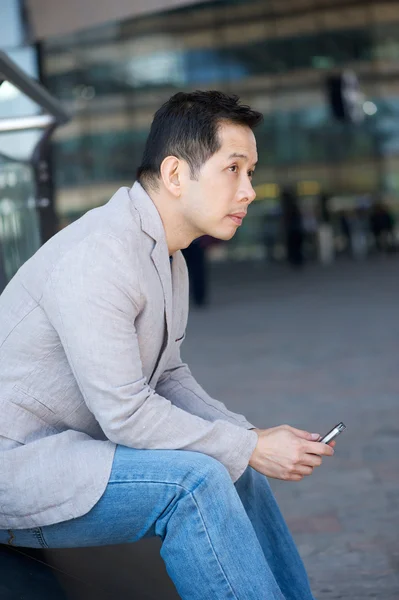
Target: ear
171	175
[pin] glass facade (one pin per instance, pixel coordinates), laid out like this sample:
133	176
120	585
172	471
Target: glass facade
276	55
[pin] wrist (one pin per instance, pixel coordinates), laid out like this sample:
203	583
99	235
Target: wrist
255	450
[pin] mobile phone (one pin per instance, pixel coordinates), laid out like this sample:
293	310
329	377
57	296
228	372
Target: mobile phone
331	435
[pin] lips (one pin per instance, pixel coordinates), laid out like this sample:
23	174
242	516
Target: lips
237	217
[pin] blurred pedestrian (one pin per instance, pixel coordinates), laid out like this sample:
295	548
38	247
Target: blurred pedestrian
325	232
271	225
196	259
293	227
344	220
382	226
359	228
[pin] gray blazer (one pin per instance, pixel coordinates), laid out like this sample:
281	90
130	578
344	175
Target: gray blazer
90	335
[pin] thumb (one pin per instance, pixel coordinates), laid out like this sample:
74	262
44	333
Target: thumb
305	434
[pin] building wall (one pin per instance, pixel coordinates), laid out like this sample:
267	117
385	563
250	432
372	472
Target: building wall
276	55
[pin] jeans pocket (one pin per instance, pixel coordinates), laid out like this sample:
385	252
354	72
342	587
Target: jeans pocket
37	533
25	538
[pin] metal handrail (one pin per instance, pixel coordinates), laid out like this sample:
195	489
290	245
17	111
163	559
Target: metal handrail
10	71
25	123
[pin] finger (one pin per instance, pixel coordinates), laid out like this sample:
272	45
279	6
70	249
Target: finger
332	444
312	460
319	448
304	470
304	434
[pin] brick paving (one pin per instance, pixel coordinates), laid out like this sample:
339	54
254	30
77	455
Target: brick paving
311	349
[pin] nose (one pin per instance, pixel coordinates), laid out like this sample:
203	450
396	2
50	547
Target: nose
248	193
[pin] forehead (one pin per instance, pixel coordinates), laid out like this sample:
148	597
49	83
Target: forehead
237	139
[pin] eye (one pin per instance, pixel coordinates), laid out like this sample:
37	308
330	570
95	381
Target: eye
251	173
233	168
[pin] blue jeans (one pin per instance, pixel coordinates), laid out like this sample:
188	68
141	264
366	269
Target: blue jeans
220	540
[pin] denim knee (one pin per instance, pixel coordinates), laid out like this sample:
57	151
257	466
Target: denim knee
206	469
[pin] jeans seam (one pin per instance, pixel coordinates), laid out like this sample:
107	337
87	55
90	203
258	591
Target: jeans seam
211	545
191	493
38	534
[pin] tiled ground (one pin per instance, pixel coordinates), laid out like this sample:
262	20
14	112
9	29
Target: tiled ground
311	349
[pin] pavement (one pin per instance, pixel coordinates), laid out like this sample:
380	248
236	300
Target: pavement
311	349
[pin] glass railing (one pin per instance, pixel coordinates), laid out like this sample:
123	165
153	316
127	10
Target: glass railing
19	221
25	180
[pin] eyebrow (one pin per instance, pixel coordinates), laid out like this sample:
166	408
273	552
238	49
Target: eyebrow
238	155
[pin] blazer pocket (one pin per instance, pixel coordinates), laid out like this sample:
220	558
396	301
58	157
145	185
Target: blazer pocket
21	424
51	384
35	406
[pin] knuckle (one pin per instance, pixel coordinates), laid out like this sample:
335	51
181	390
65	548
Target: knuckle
297	456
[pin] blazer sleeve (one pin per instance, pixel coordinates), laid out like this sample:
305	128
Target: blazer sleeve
92	299
181	388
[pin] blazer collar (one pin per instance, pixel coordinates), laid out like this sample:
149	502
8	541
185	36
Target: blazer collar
150	218
151	224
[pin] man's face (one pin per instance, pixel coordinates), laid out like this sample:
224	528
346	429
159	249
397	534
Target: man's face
217	201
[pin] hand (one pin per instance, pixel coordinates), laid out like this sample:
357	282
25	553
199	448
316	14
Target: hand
287	453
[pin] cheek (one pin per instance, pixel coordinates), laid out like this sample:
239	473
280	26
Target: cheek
212	202
220	200
218	209
208	207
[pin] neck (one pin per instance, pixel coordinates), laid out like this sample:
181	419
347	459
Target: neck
178	233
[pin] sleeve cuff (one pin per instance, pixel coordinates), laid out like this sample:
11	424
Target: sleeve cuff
238	459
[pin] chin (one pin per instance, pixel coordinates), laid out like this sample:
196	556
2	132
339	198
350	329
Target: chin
222	233
227	234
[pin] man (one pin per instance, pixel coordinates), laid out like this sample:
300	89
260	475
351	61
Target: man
105	435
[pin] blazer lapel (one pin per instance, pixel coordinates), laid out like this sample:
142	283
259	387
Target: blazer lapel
176	291
160	258
151	224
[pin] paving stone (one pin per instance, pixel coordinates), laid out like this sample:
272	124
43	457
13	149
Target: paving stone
311	349
325	523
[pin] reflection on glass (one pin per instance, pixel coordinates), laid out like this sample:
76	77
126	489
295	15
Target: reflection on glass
12	102
19	224
11	30
8	91
19	145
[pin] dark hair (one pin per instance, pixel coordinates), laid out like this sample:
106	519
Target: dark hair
186	126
